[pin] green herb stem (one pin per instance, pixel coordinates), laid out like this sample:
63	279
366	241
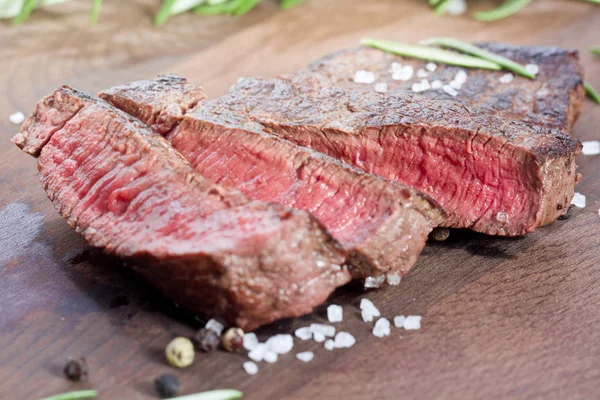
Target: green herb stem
77	395
222	394
216	9
431	54
287	4
164	13
26	10
591	92
441	7
244	6
481	53
95	11
595	50
593	1
506	9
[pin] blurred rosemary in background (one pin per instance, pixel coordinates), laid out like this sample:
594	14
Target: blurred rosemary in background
19	10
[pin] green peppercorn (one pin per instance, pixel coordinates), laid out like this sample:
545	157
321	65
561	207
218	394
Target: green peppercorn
207	340
180	352
76	369
166	385
233	339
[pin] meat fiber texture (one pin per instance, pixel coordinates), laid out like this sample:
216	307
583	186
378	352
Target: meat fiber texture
383	225
490	174
126	190
553	100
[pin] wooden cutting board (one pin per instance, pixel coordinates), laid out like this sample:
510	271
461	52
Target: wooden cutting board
502	318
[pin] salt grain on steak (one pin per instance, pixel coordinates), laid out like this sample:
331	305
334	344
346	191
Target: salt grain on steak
305	356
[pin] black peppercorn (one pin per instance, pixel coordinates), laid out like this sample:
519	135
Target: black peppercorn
207	340
233	339
76	369
166	385
440	234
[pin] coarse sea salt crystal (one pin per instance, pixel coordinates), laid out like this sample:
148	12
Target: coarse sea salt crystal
16	118
250	341
326	330
591	148
303	333
364	77
381	87
368	306
412	322
578	200
532	68
461	77
455	85
382	327
270	357
404	74
421	73
431	67
437	84
393	278
215	326
506	78
258	353
280	344
305	356
318	337
250	367
335	313
329	344
344	340
456	7
373	282
396	66
449	90
399	321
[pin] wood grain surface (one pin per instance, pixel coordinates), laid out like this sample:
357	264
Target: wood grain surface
502	318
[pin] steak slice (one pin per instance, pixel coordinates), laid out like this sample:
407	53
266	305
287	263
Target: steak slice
383	225
553	100
490	174
125	189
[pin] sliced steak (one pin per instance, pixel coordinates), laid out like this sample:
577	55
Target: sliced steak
383	225
554	99
125	189
490	174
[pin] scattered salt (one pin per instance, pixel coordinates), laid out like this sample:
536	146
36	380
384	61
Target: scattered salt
382	327
399	321
367	315
461	77
280	344
532	68
335	313
258	353
396	66
456	7
16	118
421	73
344	340
270	357
250	341
450	90
437	84
404	74
250	368
373	282
591	148
329	344
364	77
381	87
506	78
215	326
502	217
431	67
412	322
303	333
455	85
326	330
319	337
305	356
393	278
421	86
578	200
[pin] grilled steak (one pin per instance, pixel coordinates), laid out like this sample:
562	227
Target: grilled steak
126	190
383	225
490	174
554	99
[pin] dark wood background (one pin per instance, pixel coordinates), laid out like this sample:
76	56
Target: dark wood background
502	318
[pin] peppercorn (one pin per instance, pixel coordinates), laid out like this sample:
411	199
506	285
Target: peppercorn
76	369
566	215
440	234
233	339
180	352
166	385
207	340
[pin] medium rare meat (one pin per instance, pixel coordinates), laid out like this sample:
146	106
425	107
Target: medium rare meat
491	174
125	189
383	225
553	100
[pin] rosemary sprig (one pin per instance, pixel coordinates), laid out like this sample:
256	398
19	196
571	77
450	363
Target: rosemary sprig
222	394
244	6
77	395
591	92
431	54
226	8
595	50
506	9
26	10
441	7
287	4
95	11
481	53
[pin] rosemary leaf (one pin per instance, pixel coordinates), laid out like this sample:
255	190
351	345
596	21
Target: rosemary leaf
506	9
434	3
591	92
595	50
222	394
441	7
593	1
95	10
26	10
287	4
164	13
217	9
77	395
244	6
431	54
481	53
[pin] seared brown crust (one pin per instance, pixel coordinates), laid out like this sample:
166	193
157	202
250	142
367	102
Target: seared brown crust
553	100
310	109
